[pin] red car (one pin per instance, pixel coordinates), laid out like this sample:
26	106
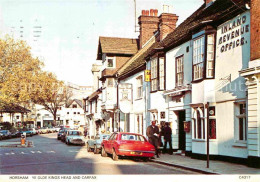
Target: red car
127	144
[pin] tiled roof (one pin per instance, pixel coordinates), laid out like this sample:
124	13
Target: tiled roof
115	45
14	109
219	12
137	60
94	94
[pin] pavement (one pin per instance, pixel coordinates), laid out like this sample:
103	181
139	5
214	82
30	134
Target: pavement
196	165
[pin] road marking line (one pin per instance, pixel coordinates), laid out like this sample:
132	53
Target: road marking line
23	153
9	153
39	152
32	152
50	151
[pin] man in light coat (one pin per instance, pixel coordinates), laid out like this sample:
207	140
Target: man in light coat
152	132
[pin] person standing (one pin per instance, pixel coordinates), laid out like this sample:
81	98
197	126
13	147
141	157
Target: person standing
167	137
152	132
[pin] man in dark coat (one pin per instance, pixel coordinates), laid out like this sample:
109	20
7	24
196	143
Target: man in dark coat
167	137
152	132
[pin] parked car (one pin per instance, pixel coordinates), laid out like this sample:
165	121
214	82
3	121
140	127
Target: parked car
6	134
43	130
95	144
63	135
27	132
74	137
127	144
33	131
1	136
15	134
59	134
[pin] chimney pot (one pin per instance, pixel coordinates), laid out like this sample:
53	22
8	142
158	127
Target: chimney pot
155	12
143	12
151	12
147	12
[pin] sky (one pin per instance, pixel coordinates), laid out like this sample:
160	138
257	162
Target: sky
70	29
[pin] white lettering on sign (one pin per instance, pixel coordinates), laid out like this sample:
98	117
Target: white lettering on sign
233	34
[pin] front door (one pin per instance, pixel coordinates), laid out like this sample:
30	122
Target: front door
182	135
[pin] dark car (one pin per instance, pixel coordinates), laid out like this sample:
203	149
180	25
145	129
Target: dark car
6	134
59	134
63	135
27	132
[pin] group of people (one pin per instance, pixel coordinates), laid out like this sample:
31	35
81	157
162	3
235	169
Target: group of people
154	136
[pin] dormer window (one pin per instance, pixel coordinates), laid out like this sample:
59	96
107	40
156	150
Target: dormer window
110	62
203	56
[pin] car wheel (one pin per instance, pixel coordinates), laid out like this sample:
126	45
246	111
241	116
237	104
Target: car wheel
66	142
114	155
96	150
69	142
103	152
145	159
88	148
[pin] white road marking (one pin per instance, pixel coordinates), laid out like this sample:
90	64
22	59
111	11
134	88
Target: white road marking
73	151
9	153
23	153
32	152
50	151
39	152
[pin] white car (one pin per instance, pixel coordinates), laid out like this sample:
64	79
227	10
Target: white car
74	137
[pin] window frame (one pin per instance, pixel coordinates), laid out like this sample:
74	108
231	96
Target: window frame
238	117
181	57
154	75
113	61
139	87
161	82
205	61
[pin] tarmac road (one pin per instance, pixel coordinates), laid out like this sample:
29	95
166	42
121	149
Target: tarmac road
51	156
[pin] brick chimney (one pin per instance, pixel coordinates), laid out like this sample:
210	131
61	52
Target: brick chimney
255	30
167	23
149	23
208	2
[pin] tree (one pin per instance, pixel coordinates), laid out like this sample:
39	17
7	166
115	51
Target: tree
50	93
17	70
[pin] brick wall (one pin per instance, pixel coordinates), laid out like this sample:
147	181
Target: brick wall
255	30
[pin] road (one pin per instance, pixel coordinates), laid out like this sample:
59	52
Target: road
51	156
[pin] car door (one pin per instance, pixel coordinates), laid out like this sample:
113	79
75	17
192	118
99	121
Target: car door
113	143
107	143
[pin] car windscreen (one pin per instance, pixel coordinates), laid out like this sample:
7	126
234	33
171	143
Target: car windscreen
75	133
132	137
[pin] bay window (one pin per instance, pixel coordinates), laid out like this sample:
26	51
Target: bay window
203	56
198	58
161	73
154	75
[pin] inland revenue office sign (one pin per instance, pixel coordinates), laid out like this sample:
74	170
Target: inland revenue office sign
234	33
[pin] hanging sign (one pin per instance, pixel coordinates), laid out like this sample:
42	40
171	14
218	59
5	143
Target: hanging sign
147	75
125	97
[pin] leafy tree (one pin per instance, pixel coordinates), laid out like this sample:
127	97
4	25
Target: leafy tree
17	70
50	93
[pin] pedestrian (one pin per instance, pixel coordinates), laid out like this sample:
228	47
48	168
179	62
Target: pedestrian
161	127
152	132
85	132
167	137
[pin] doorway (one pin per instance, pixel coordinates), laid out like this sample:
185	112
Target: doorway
182	134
